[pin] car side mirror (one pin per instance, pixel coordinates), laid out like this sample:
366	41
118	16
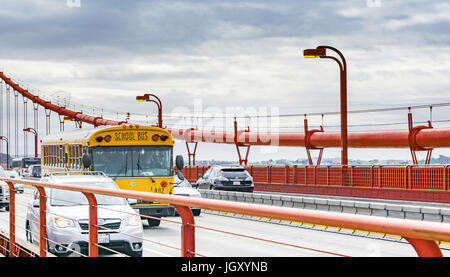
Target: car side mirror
86	161
179	162
132	201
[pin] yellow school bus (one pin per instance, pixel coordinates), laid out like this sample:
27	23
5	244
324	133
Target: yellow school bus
138	158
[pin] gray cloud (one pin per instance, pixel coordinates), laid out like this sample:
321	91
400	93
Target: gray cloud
230	53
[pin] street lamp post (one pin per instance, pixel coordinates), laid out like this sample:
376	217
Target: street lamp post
7	150
157	101
320	52
31	130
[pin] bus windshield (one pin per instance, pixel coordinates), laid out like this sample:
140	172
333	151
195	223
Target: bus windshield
132	161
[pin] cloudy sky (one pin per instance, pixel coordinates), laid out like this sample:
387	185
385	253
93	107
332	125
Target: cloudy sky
225	54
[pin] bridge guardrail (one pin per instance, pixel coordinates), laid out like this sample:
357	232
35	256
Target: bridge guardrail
421	235
402	182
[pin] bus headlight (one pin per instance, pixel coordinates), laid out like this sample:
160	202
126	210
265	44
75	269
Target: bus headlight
62	222
133	220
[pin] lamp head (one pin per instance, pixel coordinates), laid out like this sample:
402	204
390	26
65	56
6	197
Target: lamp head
314	53
142	98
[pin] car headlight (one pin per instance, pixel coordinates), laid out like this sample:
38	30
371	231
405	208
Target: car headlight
62	222
5	189
133	220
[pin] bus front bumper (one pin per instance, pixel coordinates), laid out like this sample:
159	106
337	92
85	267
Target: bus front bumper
154	210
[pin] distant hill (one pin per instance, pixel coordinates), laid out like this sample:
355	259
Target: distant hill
334	161
3	159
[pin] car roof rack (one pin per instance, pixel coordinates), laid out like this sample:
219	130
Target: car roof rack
230	165
71	173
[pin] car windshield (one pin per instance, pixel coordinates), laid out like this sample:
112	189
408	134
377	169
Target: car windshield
36	169
132	161
234	173
60	197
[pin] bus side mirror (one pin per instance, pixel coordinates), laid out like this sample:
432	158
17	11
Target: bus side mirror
180	175
86	161
179	162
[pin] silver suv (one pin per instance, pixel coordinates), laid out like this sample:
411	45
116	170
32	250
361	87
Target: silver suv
120	227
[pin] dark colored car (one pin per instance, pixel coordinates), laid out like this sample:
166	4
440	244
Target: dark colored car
230	178
35	171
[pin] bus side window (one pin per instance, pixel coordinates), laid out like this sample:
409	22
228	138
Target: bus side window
54	155
60	156
70	156
46	155
43	154
51	155
66	160
75	156
80	155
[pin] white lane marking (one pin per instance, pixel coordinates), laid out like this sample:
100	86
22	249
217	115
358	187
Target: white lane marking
157	252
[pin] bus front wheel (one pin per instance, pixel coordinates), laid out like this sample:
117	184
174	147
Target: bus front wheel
153	222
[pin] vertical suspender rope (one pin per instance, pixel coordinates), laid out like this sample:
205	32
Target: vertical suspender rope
36	116
8	114
1	118
25	125
16	121
47	121
431	114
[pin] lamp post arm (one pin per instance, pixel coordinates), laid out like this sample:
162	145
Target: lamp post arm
344	67
157	98
157	104
159	111
341	67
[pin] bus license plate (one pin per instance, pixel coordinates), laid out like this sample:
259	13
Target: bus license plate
103	238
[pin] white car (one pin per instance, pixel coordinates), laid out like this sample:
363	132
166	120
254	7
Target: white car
184	188
4	191
120	227
14	175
